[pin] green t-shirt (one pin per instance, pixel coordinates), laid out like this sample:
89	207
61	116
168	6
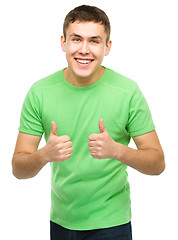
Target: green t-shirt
87	193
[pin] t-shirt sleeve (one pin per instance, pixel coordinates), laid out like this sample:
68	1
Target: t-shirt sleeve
31	119
140	119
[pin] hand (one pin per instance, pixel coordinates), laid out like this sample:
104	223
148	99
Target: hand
101	145
57	149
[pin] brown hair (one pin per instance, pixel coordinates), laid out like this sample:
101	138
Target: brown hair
85	13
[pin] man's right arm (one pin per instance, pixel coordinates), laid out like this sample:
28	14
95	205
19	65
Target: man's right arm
27	161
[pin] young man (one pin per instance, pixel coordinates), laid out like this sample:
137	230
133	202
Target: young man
88	113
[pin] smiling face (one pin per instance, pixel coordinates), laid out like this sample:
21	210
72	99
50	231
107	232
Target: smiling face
85	47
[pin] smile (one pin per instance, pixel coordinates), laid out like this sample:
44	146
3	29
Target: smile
83	61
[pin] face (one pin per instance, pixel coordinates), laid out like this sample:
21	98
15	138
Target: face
85	47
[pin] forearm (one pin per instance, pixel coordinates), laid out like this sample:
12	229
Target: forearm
147	161
27	165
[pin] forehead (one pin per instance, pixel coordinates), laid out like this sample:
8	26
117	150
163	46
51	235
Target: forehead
86	29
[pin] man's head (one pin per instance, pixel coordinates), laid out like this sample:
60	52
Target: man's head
86	40
86	13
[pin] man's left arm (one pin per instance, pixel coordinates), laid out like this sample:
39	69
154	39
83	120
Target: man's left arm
148	158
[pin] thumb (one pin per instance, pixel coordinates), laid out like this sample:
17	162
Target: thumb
101	126
53	128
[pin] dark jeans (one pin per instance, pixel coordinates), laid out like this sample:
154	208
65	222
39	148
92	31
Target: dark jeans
122	232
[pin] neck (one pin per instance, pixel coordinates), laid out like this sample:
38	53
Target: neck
83	81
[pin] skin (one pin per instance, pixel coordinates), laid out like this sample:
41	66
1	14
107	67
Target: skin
86	41
147	159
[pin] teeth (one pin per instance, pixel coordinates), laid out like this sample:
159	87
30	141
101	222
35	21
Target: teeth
83	61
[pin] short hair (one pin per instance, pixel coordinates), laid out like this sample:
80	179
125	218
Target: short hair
85	13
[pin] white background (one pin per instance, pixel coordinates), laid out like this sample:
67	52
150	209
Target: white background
144	35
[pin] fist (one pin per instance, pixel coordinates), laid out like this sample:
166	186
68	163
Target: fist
58	149
101	145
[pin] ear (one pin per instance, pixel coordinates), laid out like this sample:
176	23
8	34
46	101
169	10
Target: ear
63	44
108	47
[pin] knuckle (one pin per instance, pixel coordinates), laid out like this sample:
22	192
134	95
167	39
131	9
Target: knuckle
61	151
66	138
70	150
59	147
99	143
101	137
68	156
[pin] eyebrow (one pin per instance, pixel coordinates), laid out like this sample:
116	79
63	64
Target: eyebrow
74	35
97	37
93	37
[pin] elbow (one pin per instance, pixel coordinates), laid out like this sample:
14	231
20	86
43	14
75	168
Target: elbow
16	175
15	171
161	165
160	170
13	168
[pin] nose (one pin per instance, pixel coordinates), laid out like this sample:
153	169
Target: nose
84	48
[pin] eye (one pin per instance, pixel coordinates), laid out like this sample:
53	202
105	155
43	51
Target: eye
76	39
94	41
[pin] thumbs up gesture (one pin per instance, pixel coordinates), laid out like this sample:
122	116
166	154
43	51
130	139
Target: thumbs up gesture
101	145
57	149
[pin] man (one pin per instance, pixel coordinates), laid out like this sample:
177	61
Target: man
88	113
